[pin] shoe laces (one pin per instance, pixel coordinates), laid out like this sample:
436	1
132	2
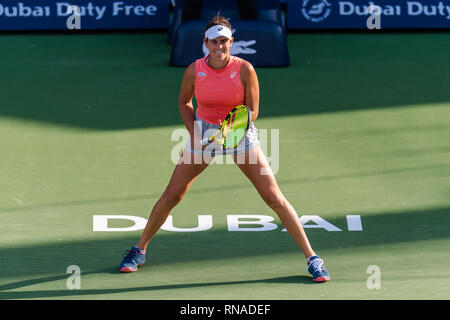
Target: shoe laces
130	254
317	265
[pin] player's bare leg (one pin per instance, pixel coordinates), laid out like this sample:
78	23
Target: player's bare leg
185	173
258	171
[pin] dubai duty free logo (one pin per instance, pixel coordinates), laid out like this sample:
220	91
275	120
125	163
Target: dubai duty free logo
316	10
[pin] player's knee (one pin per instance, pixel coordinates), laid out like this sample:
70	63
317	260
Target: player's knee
274	200
172	197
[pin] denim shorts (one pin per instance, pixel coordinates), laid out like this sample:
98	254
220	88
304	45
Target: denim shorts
206	129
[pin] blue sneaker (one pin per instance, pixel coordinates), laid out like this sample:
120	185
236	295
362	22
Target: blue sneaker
135	258
317	269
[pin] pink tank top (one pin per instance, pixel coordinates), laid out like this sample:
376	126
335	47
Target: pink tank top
217	91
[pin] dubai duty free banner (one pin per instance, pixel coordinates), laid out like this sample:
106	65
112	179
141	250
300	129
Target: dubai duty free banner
361	14
83	14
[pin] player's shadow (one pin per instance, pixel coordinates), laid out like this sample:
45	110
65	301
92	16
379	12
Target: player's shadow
299	279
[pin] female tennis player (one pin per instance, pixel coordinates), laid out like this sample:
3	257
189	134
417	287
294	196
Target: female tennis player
221	82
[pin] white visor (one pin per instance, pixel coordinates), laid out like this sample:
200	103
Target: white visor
218	31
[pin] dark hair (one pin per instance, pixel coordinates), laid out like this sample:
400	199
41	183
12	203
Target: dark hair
218	20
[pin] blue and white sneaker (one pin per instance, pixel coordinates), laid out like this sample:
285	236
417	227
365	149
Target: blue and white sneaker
317	269
134	258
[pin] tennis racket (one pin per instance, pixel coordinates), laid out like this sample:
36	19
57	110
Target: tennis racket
233	128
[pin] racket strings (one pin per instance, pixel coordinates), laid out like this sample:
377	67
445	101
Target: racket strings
236	128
